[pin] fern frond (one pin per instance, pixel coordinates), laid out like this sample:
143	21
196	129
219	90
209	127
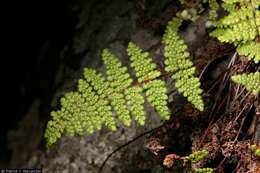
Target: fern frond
251	81
176	61
110	99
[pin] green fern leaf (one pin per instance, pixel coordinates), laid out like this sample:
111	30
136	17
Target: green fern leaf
109	99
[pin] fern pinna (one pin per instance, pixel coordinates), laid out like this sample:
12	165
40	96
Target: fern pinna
114	97
177	62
